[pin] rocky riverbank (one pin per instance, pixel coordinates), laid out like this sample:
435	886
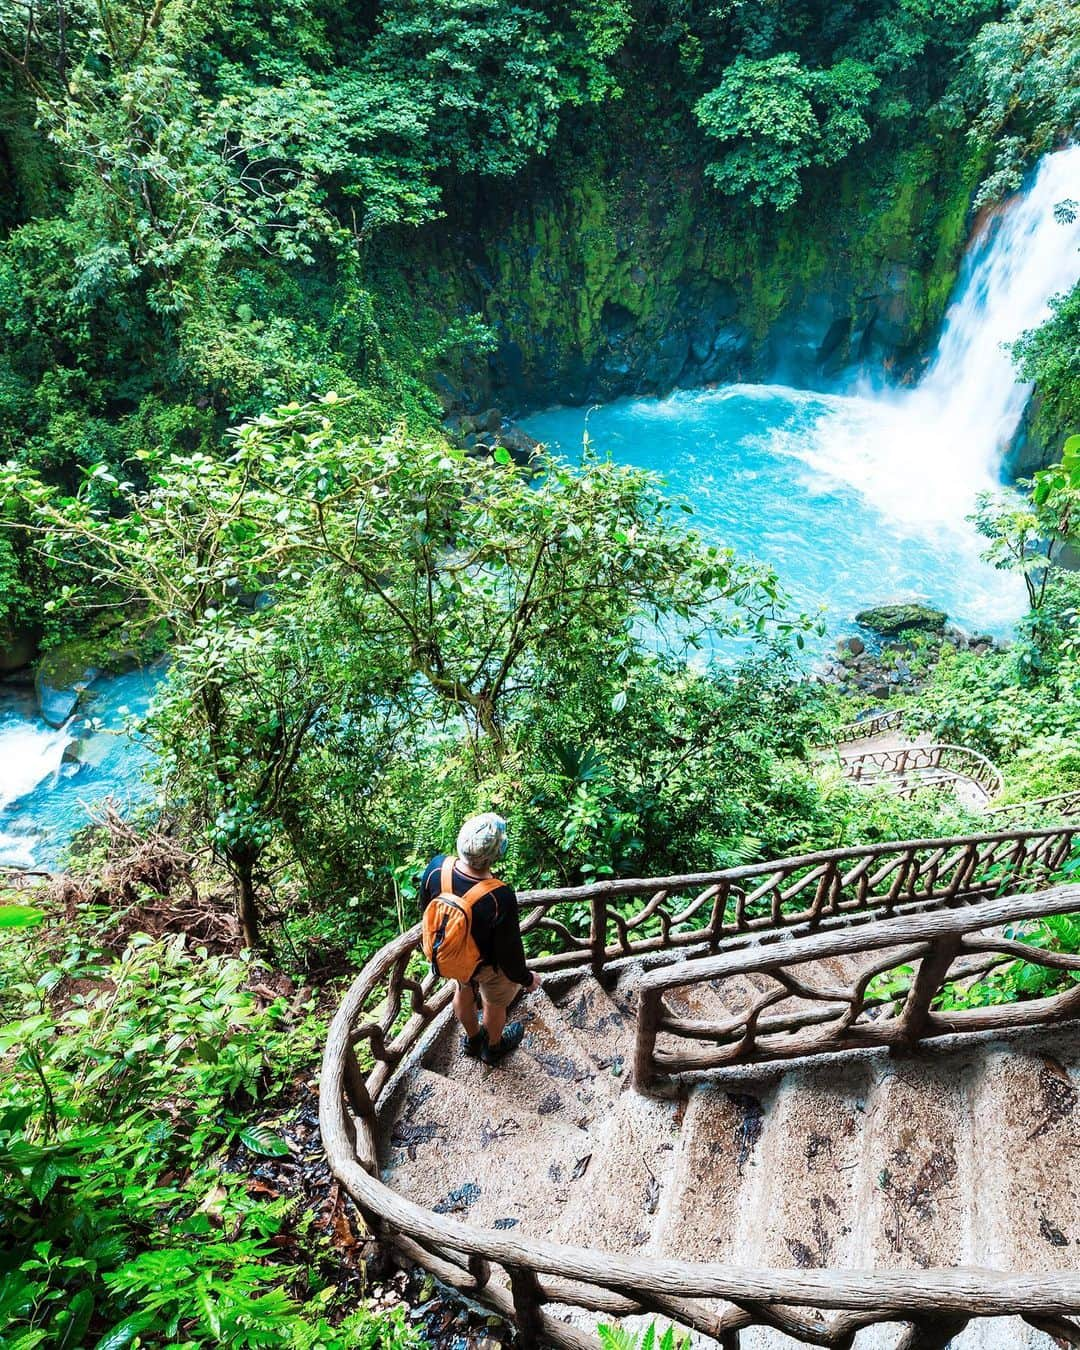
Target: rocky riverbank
896	646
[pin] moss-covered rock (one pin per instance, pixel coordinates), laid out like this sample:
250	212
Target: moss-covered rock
903	618
67	669
621	270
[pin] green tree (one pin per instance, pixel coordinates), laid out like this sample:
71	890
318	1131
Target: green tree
313	582
1025	73
775	118
1027	532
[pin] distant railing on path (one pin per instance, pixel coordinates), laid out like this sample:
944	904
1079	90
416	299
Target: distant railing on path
1062	804
867	727
904	765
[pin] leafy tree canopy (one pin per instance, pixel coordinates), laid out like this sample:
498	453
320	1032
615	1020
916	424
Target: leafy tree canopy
775	118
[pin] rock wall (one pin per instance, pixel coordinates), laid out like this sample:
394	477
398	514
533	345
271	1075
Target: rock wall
599	280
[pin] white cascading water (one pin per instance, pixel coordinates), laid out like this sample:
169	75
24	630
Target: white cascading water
30	753
920	455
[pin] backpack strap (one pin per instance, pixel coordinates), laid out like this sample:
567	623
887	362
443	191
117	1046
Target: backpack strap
474	893
446	880
481	888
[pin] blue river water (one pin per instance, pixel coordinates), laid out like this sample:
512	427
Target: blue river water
52	780
781	476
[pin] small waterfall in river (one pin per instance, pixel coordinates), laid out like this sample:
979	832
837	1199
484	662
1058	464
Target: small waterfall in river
44	799
30	754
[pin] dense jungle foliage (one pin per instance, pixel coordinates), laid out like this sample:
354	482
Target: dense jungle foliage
279	219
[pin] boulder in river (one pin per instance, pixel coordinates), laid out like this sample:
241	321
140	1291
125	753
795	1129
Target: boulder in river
902	618
59	685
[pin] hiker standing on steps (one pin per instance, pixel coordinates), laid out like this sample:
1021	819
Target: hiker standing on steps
471	934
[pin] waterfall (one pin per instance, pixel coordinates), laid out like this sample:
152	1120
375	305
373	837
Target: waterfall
862	496
30	753
920	455
1021	257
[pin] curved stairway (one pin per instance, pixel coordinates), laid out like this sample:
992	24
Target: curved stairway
763	1200
968	1156
877	752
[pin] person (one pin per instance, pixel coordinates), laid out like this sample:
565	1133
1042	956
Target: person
502	973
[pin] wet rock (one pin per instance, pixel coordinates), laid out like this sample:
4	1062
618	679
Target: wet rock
58	697
665	363
448	393
521	445
851	646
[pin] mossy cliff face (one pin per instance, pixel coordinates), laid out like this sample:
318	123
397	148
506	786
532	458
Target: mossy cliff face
600	282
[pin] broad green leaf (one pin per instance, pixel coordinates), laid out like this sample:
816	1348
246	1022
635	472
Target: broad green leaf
20	916
78	1314
125	1332
261	1139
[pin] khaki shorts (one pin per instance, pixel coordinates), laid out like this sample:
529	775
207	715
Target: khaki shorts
491	985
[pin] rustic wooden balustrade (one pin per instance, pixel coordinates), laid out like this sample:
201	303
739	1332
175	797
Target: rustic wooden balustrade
915	760
819	897
1061	804
869	726
942	947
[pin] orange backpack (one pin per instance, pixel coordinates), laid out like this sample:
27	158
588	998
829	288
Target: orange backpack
447	927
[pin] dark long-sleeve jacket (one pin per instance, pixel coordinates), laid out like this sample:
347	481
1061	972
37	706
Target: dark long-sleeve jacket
495	923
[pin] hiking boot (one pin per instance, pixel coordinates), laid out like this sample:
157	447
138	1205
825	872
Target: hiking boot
510	1040
472	1046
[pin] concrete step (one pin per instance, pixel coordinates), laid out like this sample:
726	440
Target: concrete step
470	1154
1026	1138
550	1072
812	1145
602	1023
629	1176
719	1175
916	1167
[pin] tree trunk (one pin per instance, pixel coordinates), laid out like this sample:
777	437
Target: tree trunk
247	905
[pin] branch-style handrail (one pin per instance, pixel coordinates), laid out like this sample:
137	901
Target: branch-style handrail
844	1019
869	726
907	762
393	1003
1061	804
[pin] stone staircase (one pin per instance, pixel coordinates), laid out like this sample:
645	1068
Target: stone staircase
966	1156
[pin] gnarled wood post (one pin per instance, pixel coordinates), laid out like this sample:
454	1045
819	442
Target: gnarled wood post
932	971
528	1306
648	1023
598	935
932	1333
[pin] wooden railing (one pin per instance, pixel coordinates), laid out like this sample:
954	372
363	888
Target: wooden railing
1063	804
809	1018
869	726
393	1006
906	764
